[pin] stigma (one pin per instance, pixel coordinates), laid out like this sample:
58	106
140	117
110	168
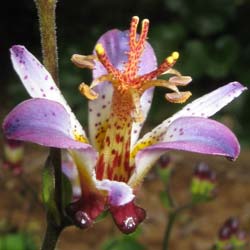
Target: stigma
128	79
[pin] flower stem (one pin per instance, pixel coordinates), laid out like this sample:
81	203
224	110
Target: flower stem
46	12
51	236
47	21
173	215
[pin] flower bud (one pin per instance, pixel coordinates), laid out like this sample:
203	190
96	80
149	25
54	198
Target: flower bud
13	156
203	183
230	236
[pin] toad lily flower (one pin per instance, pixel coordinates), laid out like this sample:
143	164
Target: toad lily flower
112	162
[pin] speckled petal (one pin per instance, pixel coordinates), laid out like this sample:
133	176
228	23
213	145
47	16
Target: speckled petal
38	82
115	43
204	106
119	193
192	134
43	122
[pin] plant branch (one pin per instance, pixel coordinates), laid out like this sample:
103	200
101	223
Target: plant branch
173	215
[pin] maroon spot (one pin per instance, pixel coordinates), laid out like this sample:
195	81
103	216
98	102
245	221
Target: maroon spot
103	96
41	90
90	110
51	87
53	113
188	109
171	136
25	77
46	77
128	216
44	95
103	106
98	114
135	131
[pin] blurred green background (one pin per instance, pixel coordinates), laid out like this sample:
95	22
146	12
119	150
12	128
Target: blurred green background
212	37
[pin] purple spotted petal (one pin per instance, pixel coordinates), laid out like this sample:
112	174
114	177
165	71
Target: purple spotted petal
119	193
211	103
43	122
204	106
38	81
115	43
192	134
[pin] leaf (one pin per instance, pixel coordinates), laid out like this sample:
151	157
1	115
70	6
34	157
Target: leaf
48	191
66	191
124	243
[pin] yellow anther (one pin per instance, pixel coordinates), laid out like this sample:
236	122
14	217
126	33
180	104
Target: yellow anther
99	49
145	21
175	55
170	60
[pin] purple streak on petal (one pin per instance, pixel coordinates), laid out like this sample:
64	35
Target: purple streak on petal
119	193
194	134
43	122
115	43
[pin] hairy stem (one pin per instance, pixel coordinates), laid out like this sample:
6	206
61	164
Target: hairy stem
47	21
46	12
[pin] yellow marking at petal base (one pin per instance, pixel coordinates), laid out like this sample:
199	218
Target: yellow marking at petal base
180	97
79	137
141	145
85	90
99	49
85	176
175	55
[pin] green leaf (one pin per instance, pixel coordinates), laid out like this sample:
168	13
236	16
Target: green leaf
48	191
66	191
125	243
17	241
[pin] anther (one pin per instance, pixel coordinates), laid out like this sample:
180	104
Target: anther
175	55
170	60
99	49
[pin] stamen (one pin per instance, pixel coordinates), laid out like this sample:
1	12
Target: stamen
84	61
85	90
180	80
180	97
102	56
167	64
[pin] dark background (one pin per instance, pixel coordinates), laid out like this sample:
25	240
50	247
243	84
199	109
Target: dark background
212	37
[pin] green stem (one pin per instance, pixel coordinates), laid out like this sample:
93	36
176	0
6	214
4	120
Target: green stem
51	236
173	215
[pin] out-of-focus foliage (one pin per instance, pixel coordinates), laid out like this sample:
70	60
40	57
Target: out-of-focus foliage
17	241
211	36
